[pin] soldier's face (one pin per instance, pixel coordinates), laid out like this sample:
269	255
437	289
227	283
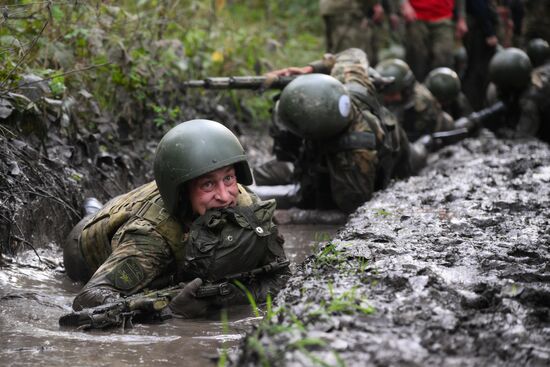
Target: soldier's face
216	189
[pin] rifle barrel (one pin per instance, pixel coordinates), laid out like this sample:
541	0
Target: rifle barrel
240	82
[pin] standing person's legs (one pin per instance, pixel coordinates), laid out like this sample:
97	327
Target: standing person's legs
441	44
417	52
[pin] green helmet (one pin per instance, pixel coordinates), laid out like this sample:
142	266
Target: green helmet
538	51
190	150
444	84
400	71
315	106
460	55
510	69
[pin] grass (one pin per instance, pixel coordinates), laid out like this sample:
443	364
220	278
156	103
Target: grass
129	55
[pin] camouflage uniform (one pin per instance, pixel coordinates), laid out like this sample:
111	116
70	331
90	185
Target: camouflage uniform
350	174
534	105
536	21
133	243
344	24
420	113
430	44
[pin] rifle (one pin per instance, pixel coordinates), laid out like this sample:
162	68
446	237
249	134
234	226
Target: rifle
464	127
151	306
262	83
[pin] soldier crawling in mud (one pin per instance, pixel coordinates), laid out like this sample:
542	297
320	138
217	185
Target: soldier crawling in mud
445	86
416	109
194	223
346	144
524	90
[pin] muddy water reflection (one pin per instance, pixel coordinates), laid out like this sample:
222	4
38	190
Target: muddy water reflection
33	297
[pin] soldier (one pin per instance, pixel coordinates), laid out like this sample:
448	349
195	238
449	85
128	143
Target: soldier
364	24
431	32
525	91
351	145
445	86
536	21
538	51
195	222
417	110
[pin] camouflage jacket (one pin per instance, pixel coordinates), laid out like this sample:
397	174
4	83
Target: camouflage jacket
421	113
354	172
132	243
534	105
336	7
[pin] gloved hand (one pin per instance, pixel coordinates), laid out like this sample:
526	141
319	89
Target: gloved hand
186	305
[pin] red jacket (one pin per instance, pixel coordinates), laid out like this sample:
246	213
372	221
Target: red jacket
431	10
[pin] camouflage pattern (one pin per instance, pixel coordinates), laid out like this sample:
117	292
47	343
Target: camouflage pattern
349	177
420	113
429	45
534	105
536	21
274	172
346	25
133	243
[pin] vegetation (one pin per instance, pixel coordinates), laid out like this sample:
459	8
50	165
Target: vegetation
131	55
282	327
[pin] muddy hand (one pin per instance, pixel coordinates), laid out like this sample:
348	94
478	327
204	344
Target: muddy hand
186	305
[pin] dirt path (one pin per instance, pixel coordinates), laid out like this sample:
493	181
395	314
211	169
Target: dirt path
447	268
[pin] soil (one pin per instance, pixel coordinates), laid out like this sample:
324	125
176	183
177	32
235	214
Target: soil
447	268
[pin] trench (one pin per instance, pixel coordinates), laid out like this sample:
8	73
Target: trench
34	293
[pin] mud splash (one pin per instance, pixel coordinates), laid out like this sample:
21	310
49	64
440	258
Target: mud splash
450	267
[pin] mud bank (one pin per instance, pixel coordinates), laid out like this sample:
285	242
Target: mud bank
447	268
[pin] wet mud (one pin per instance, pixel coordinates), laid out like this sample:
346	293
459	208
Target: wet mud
35	292
447	268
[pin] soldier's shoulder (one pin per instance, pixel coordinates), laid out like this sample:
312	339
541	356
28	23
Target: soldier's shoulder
423	98
540	77
247	197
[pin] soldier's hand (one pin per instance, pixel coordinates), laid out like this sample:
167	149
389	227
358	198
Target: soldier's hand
291	70
186	305
408	12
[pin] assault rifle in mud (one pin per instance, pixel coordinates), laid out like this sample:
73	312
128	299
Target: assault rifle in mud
151	306
262	83
463	127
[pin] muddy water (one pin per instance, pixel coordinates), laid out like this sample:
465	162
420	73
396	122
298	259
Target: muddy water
34	294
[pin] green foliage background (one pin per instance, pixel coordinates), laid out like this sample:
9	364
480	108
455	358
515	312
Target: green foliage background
130	55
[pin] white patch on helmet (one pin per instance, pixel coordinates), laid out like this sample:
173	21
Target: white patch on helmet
344	105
